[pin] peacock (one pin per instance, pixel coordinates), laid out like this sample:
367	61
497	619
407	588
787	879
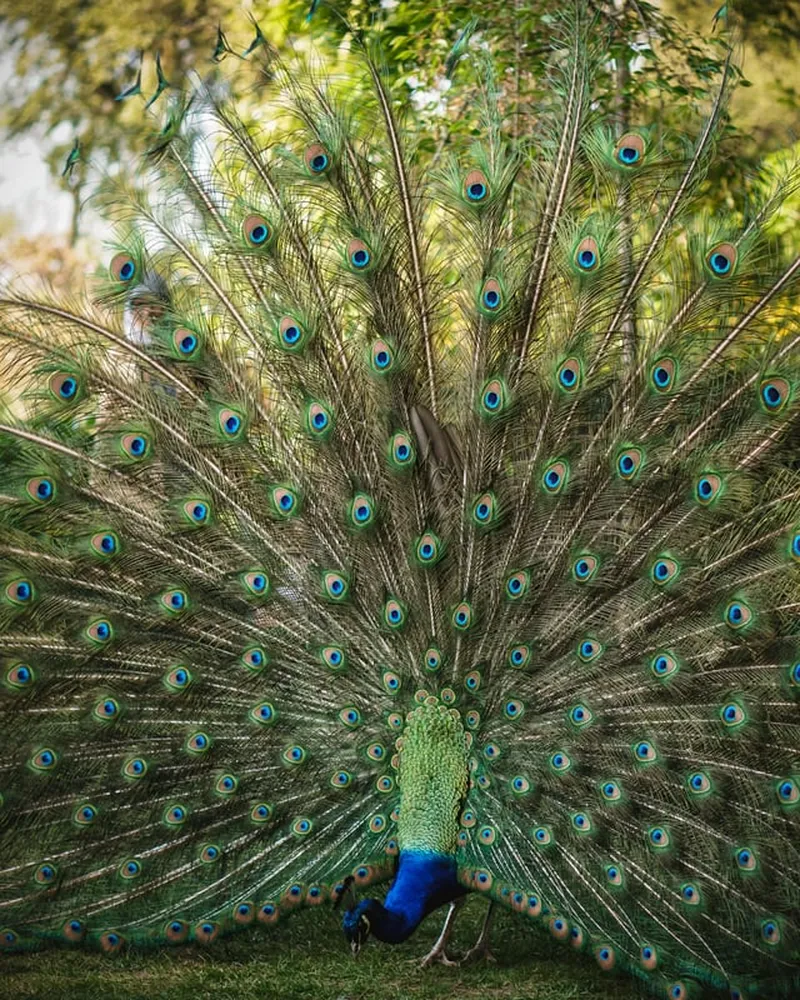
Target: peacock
432	522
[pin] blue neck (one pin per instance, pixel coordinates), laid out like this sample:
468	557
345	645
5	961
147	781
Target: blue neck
423	883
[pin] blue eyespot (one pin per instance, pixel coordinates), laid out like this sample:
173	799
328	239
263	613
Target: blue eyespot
108	544
704	488
258	234
291	334
661	570
44	490
491	298
360	257
628	154
362	512
661	376
720	264
187	344
567	377
476	191
23	591
318	163
584	567
232	424
737	614
492	400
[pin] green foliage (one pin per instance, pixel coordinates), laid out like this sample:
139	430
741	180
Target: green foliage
73	64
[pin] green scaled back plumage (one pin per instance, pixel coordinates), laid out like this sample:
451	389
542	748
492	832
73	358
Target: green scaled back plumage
327	556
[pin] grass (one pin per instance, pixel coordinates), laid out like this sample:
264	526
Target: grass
307	958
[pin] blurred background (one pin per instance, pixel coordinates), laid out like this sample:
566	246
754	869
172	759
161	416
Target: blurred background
76	77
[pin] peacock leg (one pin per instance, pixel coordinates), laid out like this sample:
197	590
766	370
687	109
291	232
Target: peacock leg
481	947
438	952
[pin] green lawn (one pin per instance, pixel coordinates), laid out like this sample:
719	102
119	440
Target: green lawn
307	958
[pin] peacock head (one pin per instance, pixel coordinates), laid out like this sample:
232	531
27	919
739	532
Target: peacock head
357	924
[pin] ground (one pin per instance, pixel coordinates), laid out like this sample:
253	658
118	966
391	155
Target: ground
307	958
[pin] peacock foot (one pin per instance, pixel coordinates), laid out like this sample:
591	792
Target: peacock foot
438	953
436	956
479	952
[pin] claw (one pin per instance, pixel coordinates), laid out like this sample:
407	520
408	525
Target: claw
478	953
436	956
